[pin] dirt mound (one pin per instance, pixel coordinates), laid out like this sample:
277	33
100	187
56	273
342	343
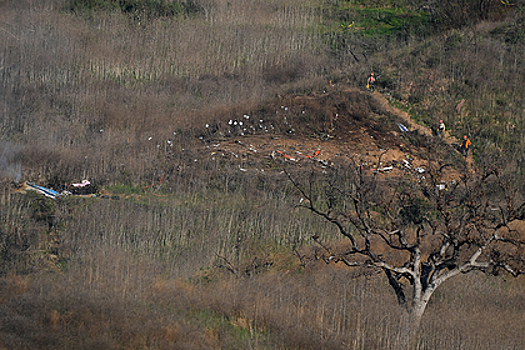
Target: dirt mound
337	126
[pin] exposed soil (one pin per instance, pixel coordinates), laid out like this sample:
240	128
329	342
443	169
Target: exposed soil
342	125
364	127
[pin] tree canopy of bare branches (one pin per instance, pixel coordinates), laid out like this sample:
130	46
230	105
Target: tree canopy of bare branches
418	229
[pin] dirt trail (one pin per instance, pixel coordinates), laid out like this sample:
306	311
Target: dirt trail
412	125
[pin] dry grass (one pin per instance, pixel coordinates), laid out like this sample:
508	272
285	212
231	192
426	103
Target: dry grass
92	90
80	98
318	309
137	274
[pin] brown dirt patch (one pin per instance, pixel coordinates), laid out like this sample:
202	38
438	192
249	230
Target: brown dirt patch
332	128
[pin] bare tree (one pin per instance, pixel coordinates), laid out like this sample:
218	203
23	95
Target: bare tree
419	230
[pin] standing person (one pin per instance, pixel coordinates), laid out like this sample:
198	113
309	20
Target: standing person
370	82
465	145
441	129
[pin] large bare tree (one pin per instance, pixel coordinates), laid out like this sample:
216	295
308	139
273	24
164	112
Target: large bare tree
420	229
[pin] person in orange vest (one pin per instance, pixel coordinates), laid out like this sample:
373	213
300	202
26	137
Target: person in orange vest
370	82
465	145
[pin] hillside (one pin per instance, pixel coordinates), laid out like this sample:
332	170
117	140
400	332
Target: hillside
190	119
363	127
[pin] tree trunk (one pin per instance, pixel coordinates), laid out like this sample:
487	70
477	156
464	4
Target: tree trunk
411	322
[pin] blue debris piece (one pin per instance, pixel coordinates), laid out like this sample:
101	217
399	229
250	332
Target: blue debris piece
402	127
42	190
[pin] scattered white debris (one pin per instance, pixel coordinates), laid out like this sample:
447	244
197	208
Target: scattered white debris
84	183
420	170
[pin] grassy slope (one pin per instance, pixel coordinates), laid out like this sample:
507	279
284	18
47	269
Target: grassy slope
82	96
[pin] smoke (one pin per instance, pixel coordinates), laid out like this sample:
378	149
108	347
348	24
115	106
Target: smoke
10	161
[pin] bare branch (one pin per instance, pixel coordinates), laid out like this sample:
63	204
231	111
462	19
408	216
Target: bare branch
419	235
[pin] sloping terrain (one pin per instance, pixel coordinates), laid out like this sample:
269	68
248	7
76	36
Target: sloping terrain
336	126
362	127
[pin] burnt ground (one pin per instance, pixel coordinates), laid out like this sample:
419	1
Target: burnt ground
335	127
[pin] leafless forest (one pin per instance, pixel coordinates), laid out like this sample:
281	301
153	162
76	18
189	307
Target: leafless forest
190	252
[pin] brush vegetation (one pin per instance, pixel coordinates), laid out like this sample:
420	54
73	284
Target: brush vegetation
191	253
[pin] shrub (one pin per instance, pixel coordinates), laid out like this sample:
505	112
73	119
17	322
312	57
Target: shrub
139	9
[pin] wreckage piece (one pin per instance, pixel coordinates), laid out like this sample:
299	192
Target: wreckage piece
286	156
42	190
84	183
402	127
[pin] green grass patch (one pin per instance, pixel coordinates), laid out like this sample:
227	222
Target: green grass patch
125	190
383	20
392	22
